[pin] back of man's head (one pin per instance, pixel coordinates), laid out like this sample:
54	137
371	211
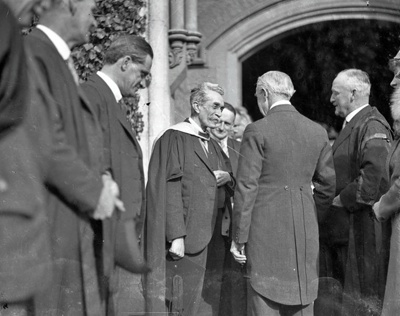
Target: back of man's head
357	80
277	83
128	45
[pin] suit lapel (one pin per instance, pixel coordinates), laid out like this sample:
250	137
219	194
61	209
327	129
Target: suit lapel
343	135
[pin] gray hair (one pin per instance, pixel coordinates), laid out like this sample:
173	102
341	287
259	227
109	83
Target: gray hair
358	80
278	83
199	93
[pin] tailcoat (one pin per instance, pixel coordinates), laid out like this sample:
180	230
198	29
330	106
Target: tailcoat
359	154
75	286
275	209
182	201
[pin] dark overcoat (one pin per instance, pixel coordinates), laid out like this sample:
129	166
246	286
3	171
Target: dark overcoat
275	210
75	287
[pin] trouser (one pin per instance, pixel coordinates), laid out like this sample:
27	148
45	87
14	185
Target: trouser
258	305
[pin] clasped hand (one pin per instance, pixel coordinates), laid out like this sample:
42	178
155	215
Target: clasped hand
222	177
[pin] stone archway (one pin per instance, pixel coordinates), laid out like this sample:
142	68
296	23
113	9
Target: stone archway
254	29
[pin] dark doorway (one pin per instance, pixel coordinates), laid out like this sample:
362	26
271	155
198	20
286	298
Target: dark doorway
314	54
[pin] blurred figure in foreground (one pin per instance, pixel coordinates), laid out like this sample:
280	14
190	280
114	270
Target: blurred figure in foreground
388	206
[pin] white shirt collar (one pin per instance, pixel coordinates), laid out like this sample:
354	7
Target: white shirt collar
280	103
354	113
195	125
58	42
112	85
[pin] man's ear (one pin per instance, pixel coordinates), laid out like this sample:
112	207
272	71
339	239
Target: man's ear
195	106
125	62
353	95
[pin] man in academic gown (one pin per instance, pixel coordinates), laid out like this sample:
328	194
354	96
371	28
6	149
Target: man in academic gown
127	64
75	287
186	168
275	215
352	243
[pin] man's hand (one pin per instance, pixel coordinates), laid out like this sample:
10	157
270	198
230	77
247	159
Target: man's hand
237	250
108	199
177	250
222	177
337	202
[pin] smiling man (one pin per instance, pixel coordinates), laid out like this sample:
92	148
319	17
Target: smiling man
351	242
186	169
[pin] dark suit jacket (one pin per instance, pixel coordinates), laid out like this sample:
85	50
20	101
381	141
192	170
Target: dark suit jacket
275	210
72	233
123	158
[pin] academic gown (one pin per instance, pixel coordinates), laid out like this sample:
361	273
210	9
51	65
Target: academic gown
178	164
75	287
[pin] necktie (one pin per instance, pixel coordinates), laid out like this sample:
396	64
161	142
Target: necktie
71	66
224	147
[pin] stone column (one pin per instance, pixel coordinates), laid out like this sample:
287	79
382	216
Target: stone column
177	32
160	105
193	36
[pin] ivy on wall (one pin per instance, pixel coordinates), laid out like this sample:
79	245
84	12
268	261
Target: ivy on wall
113	17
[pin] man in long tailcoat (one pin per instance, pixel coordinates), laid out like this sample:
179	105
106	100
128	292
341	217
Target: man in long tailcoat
275	225
352	241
